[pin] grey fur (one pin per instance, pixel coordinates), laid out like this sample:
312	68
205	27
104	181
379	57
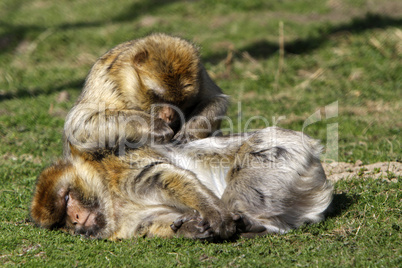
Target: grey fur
275	179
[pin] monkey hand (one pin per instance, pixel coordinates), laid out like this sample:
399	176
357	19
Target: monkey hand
160	132
221	223
188	226
184	137
215	226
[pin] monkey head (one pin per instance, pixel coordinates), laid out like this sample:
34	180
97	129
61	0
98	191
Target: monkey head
164	73
63	200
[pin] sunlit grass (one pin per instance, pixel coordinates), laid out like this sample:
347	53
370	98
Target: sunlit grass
334	54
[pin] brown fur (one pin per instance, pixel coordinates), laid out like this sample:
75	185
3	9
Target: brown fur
141	199
50	214
150	89
252	184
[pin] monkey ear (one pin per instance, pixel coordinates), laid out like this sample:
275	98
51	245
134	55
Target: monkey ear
140	57
48	204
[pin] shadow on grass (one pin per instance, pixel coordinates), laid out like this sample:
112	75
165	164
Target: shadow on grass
339	204
15	34
264	49
24	92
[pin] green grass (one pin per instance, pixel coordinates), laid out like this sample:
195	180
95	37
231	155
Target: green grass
334	51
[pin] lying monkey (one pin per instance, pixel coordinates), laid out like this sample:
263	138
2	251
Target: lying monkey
215	188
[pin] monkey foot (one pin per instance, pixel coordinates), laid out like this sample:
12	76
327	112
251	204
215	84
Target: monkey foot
246	228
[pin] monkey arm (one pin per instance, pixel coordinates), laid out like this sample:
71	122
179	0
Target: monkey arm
164	183
205	119
90	127
206	116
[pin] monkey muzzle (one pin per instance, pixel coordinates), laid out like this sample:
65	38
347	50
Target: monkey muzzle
168	114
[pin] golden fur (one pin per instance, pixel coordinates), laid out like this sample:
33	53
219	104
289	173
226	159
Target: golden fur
250	184
150	89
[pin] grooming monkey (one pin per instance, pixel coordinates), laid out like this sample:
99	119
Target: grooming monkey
150	89
214	188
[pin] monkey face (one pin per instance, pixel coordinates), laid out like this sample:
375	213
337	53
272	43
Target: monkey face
64	201
168	70
167	84
169	81
83	215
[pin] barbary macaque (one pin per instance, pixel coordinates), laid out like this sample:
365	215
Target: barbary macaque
268	181
150	89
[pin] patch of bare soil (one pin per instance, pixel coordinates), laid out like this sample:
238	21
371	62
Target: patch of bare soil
382	170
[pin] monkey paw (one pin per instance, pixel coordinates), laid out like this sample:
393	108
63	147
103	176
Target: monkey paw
161	132
248	229
215	226
222	224
184	137
190	227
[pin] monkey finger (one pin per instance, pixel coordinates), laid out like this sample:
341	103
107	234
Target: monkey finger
162	137
160	132
190	229
204	225
206	235
179	136
203	229
184	137
194	218
176	225
236	217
